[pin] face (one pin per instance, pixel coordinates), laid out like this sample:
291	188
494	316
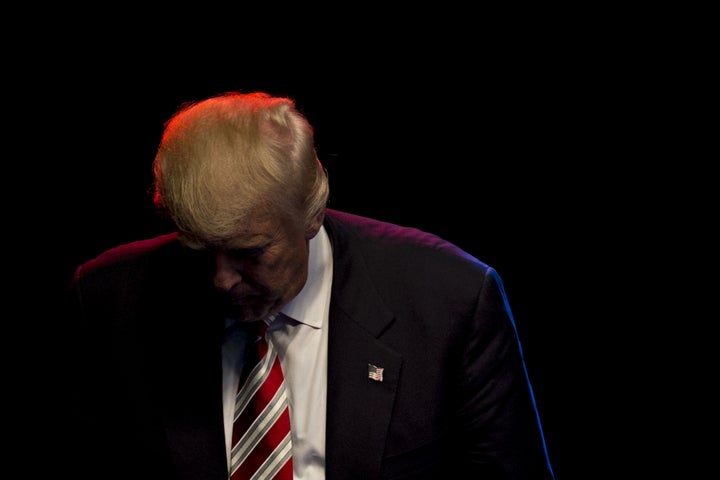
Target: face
263	267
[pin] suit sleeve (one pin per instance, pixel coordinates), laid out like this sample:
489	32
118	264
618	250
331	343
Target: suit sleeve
497	411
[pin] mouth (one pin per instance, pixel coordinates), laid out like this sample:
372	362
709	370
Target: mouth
245	311
235	298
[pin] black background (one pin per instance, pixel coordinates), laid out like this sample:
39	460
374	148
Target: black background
522	147
476	161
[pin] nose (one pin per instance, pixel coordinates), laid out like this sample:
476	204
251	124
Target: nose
227	275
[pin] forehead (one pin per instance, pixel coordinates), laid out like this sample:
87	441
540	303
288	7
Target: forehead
257	231
266	228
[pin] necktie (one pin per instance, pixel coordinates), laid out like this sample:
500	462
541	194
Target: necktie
261	443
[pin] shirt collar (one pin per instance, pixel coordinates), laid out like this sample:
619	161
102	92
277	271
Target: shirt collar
311	305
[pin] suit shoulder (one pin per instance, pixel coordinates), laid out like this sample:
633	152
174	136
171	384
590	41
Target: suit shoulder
126	253
370	231
397	243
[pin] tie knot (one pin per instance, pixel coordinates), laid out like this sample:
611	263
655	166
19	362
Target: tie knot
260	340
261	330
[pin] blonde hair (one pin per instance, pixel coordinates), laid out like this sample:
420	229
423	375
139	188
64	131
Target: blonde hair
234	154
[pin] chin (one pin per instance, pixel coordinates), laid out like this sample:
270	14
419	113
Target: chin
248	313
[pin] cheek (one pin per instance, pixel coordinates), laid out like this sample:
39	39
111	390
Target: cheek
271	274
284	269
290	272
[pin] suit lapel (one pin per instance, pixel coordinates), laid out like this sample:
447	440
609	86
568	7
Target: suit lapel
358	407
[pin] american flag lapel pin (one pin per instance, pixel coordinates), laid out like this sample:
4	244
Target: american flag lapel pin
375	373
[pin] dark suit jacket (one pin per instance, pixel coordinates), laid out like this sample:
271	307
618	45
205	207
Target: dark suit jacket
146	372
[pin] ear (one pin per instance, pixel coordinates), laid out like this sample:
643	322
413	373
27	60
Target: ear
314	227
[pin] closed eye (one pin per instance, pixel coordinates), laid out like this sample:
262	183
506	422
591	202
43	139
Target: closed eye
247	253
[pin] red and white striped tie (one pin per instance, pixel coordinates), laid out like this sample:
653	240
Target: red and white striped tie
261	443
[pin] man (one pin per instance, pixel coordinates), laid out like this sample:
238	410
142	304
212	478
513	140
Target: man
398	350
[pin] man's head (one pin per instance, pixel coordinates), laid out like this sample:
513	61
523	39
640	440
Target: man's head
239	175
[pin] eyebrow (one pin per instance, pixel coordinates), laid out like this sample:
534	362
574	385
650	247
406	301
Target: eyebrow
248	250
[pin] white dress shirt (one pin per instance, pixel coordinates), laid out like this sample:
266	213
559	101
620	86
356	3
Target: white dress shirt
300	339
